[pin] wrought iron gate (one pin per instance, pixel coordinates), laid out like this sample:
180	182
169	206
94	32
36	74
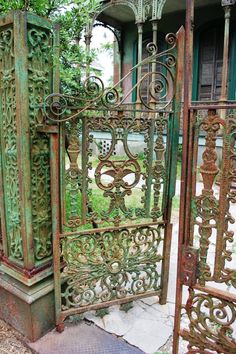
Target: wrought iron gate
206	299
111	205
207	253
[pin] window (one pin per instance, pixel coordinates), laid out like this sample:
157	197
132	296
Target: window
210	64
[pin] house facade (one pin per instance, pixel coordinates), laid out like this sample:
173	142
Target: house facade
137	23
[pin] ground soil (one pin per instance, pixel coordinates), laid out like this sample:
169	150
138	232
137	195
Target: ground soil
11	342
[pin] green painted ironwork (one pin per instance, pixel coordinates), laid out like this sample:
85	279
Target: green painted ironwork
26	77
9	146
104	213
112	228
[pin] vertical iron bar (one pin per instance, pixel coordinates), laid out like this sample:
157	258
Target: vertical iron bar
2	203
172	146
85	157
184	202
225	186
56	88
151	134
84	192
54	162
62	130
166	263
57	148
187	151
194	137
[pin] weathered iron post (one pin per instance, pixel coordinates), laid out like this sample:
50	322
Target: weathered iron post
26	298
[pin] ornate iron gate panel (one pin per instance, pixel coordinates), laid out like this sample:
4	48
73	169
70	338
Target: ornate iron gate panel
208	314
112	204
205	315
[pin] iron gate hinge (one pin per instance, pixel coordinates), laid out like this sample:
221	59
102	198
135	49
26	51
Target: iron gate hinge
189	266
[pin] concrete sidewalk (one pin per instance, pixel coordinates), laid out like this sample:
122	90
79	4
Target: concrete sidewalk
83	338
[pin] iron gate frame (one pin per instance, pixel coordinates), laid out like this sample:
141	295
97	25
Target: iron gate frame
56	131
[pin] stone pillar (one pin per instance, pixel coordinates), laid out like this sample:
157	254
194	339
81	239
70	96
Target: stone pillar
25	203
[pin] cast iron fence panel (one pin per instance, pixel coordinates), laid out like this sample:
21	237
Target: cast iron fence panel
208	255
205	314
111	213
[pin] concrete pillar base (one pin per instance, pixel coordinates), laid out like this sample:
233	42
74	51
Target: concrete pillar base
30	310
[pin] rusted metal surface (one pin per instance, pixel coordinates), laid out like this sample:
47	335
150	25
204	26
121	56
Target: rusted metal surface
189	266
111	220
211	319
184	201
206	260
95	96
111	265
1	245
211	229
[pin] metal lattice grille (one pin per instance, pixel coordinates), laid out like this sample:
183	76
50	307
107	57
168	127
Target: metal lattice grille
113	231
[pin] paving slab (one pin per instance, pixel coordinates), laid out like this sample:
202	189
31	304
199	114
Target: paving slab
82	338
116	322
148	325
149	335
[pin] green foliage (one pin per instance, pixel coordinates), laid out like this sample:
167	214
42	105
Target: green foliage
126	306
40	7
179	168
180	152
73	17
107	48
102	312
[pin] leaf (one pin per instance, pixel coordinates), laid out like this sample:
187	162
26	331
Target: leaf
73	17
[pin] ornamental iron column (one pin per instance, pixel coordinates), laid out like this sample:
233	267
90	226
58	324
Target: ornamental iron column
26	75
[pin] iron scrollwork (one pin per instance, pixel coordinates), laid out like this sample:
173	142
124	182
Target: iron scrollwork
210	324
116	264
212	210
9	148
117	181
94	96
206	204
39	87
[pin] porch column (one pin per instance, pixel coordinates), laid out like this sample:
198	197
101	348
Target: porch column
151	142
87	39
140	56
225	70
154	39
25	202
